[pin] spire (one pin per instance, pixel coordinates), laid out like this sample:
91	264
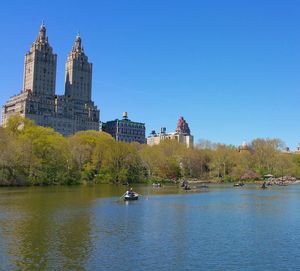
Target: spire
77	45
42	33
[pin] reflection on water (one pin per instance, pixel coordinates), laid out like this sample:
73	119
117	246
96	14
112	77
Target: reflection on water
90	228
41	226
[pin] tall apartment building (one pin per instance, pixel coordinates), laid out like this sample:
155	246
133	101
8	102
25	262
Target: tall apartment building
74	111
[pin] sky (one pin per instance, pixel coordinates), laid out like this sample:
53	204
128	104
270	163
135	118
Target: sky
230	68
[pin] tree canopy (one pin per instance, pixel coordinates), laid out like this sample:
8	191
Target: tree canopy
35	155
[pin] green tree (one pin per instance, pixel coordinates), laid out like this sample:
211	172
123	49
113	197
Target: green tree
88	150
223	161
264	154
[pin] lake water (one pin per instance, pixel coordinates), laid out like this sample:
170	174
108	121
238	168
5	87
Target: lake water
89	228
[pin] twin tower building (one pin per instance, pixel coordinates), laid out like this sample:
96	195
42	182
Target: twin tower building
74	111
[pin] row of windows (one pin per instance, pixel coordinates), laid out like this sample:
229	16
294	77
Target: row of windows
40	77
45	58
60	124
43	87
82	85
46	62
44	79
133	132
131	125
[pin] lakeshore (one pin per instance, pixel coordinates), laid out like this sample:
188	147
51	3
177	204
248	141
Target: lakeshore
275	181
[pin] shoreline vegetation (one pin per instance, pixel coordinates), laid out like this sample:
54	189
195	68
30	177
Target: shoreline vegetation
34	155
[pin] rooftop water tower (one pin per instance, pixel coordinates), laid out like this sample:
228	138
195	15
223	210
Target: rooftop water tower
125	115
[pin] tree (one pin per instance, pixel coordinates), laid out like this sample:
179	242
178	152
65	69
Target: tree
264	154
88	150
10	150
48	157
195	163
223	161
284	165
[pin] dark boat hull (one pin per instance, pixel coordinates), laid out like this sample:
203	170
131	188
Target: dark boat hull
129	198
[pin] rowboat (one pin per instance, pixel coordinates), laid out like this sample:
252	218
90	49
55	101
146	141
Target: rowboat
131	196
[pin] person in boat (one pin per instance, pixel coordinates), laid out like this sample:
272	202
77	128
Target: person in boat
264	185
131	192
187	187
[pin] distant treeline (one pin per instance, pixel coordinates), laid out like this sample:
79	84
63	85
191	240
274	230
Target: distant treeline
35	155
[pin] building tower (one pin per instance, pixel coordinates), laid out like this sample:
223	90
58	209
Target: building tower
182	127
67	114
40	66
78	75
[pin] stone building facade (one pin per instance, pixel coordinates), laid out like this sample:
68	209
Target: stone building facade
125	130
182	134
74	111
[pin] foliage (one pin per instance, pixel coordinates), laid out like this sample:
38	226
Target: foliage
250	175
34	155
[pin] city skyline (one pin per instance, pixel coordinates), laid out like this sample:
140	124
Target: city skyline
231	84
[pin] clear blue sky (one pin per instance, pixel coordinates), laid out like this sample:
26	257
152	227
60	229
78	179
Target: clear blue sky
231	68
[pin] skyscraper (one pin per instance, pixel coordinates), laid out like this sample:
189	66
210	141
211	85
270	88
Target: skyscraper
67	114
78	77
40	66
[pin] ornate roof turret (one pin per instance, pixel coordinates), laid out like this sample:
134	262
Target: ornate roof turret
77	45
42	34
182	127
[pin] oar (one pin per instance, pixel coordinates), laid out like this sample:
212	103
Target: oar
123	195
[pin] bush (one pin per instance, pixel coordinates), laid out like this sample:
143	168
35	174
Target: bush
250	175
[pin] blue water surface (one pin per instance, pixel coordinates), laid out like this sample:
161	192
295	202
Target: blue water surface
89	228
